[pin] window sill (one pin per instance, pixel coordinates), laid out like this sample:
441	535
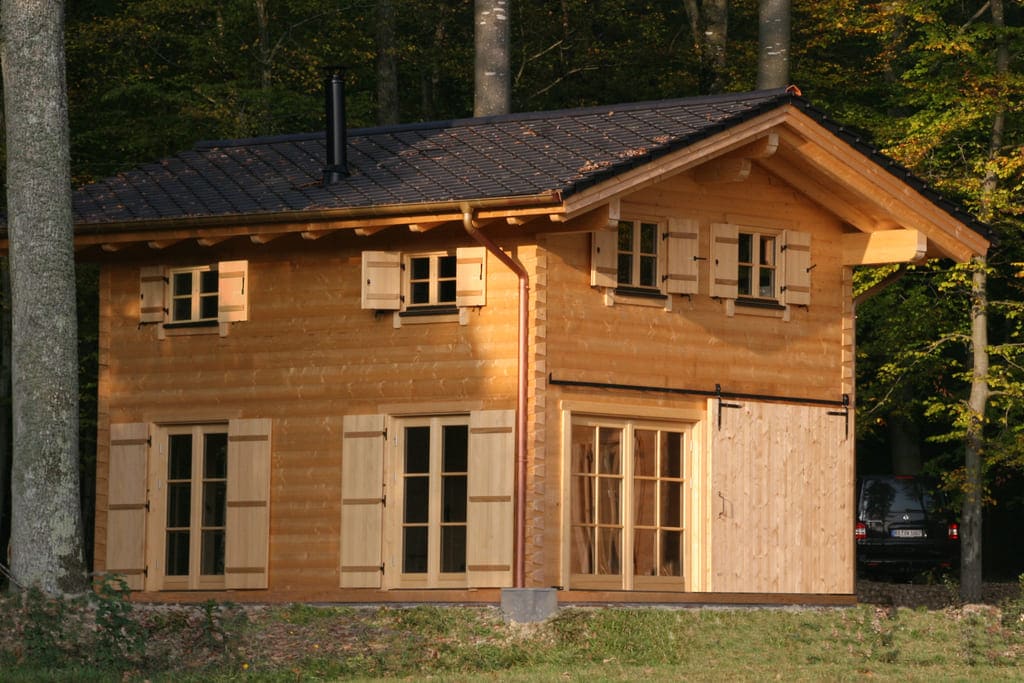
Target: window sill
428	315
635	296
191	324
767	304
205	327
761	308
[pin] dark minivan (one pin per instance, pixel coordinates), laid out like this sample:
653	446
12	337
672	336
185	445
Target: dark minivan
904	527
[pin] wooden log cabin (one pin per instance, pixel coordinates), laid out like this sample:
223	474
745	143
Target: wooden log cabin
608	349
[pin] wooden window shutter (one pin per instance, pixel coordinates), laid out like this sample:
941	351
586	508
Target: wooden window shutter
362	501
382	280
471	276
127	502
152	290
682	241
725	243
248	503
232	291
490	491
796	268
604	258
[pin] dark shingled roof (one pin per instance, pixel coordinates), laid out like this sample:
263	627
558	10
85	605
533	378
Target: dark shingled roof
496	157
468	159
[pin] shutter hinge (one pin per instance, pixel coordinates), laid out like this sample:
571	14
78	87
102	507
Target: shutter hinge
381	567
149	441
145	571
845	412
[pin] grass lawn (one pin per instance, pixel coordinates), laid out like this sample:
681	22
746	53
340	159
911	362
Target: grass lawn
306	643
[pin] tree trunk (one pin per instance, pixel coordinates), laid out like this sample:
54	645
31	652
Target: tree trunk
492	82
971	558
46	528
387	68
970	518
773	54
709	24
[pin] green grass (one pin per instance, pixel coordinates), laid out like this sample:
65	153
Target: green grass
307	643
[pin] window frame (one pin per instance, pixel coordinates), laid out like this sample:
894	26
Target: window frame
197	297
628	521
757	267
434	303
636	257
194	579
395	574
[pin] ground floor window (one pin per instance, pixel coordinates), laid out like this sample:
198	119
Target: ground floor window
627	488
431	459
196	504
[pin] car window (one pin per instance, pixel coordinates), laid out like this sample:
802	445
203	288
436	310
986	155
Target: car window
883	497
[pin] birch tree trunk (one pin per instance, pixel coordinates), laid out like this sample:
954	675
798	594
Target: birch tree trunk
46	533
492	89
773	34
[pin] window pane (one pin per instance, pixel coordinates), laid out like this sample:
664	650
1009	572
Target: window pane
582	449
208	307
746	254
610	461
179	504
625	269
177	553
644	553
671	454
419	268
417	500
767	251
215	463
453	499
671	553
419	292
179	460
453	549
649	238
456	448
211	558
581	555
208	281
446	266
648	271
626	236
745	283
609	551
414	550
644	453
766	283
417	450
671	504
182	309
215	495
644	502
182	284
446	291
608	496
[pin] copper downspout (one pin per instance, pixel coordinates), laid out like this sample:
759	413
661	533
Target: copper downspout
519	543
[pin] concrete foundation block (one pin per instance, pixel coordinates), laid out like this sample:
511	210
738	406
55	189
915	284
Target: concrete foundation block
528	605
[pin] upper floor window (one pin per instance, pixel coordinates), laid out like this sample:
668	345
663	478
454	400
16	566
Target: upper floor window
646	256
432	280
193	294
424	283
756	265
638	254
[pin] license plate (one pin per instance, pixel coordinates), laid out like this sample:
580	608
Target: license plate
907	533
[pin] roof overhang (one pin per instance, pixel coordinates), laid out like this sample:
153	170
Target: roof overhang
869	196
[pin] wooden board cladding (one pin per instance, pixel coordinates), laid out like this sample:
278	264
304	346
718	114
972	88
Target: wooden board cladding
697	344
307	356
781	487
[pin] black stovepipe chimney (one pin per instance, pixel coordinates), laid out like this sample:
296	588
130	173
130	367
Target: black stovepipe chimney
337	138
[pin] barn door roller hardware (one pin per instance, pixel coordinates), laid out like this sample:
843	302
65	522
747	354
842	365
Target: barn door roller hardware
845	412
723	404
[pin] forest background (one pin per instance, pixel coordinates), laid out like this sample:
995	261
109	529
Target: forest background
935	84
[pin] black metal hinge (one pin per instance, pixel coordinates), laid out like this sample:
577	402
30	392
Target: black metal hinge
845	413
723	404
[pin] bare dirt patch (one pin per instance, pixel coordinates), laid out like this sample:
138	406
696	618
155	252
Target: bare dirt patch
930	596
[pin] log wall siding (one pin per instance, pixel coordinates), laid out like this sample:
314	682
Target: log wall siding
307	356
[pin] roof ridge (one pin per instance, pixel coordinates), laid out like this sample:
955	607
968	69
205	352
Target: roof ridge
442	124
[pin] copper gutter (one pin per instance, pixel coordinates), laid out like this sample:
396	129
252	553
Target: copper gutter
519	542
